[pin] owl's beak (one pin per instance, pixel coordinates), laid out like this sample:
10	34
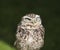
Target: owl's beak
33	22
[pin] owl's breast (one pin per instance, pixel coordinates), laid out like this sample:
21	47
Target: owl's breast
29	40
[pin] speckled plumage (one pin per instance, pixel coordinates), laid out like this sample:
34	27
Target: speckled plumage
30	33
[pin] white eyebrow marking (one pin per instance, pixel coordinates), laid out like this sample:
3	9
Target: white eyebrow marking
37	15
26	17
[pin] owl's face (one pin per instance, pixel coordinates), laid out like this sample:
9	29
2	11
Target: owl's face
31	18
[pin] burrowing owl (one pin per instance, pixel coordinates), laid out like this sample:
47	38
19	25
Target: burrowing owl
30	33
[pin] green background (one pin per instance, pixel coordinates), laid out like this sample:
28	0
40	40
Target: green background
11	12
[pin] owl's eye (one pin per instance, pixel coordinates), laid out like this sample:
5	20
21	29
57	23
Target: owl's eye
27	19
38	19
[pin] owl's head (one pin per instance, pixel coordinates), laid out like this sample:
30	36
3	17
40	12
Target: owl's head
31	18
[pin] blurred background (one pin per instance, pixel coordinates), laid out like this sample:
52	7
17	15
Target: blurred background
11	12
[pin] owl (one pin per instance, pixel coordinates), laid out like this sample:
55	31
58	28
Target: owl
30	33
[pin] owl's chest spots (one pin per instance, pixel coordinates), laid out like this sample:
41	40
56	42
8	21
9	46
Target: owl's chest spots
30	36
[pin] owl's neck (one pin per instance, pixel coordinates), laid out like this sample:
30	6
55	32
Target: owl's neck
30	25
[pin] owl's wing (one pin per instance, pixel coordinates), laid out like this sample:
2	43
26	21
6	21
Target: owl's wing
20	32
42	29
18	35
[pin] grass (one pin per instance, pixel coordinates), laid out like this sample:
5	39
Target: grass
5	46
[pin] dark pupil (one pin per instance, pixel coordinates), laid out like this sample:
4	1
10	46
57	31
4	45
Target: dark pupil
28	18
